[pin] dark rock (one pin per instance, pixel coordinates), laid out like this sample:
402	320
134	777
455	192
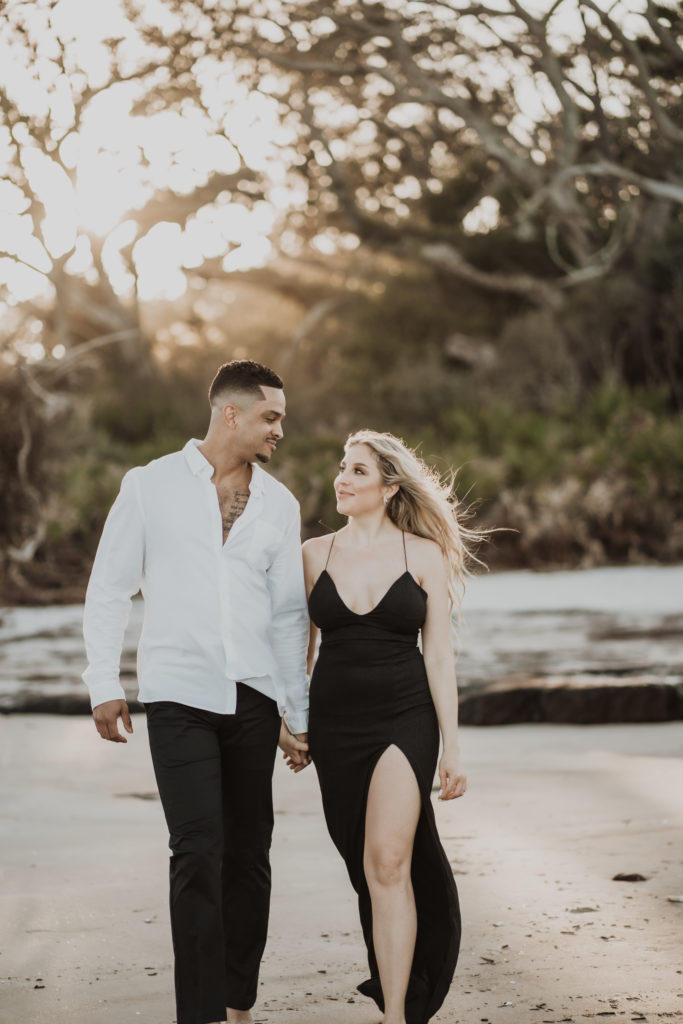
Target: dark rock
53	704
569	701
634	877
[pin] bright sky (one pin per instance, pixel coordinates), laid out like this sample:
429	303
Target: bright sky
121	160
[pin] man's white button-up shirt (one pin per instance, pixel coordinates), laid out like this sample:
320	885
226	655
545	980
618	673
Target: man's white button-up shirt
215	614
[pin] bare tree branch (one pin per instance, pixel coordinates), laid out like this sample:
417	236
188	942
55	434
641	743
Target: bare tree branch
666	38
645	75
23	262
58	367
538	292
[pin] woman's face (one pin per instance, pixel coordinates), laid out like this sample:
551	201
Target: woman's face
358	484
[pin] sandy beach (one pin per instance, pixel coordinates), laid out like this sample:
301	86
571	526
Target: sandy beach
552	814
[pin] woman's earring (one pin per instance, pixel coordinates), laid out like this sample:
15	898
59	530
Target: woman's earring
385	499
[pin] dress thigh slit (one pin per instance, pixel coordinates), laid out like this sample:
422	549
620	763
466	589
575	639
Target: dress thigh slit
369	690
438	920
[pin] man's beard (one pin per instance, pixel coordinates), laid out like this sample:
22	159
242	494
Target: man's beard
262	458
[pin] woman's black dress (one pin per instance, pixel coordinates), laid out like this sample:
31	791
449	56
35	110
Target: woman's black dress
369	691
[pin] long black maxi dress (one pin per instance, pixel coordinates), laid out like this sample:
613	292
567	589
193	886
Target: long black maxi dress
369	691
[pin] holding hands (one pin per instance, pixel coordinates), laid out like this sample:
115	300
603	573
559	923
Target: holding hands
294	748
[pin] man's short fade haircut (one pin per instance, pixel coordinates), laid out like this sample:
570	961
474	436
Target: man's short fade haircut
246	376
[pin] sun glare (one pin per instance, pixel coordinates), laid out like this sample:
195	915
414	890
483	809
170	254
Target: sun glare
121	162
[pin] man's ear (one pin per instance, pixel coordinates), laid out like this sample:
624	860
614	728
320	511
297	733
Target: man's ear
229	414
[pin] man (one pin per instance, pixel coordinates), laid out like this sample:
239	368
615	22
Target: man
213	543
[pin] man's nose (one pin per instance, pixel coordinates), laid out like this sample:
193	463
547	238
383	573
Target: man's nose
278	430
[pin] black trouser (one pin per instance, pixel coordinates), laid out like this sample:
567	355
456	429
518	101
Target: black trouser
214	774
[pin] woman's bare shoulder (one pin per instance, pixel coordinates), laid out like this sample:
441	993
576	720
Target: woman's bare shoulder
316	548
426	554
423	544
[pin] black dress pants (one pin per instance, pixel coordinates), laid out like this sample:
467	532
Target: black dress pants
214	774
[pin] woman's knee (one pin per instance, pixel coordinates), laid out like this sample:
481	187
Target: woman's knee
387	867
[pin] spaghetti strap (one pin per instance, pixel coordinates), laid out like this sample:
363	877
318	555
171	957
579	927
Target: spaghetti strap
334	536
405	556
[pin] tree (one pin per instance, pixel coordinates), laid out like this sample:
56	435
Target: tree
518	173
525	154
76	317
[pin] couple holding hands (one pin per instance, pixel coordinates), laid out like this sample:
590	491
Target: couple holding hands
232	616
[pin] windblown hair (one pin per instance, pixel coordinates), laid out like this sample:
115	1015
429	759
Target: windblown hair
243	376
425	504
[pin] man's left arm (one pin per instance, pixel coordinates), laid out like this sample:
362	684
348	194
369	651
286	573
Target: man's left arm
290	624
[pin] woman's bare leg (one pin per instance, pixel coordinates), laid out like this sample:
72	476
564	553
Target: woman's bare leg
392	814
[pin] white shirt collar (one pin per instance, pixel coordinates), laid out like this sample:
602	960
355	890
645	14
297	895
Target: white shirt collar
200	465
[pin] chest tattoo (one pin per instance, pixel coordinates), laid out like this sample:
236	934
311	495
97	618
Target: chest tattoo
233	504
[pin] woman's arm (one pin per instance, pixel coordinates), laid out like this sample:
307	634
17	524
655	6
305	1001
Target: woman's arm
439	661
312	647
313	565
310	576
313	562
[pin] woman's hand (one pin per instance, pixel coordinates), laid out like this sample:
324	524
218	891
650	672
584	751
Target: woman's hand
451	775
294	748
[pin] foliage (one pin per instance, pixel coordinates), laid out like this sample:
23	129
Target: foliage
482	251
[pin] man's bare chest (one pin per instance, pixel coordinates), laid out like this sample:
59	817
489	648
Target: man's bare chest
232	502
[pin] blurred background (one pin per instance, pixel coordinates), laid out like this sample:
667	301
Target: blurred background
458	221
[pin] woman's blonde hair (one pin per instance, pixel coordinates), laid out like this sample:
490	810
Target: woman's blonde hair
424	504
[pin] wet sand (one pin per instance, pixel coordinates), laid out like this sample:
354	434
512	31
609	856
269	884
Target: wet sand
552	813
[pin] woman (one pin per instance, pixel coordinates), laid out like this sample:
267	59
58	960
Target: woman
376	708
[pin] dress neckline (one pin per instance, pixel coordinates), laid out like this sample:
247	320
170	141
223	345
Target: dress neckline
364	615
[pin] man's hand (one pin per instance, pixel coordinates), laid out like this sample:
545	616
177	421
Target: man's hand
106	718
294	747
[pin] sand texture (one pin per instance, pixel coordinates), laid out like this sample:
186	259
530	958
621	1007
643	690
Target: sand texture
552	814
